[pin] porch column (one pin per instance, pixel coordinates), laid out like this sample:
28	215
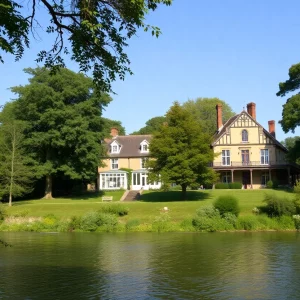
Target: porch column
251	179
289	175
270	177
232	179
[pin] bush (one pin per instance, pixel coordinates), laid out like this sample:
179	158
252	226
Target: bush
162	223
230	218
235	185
286	222
115	209
297	221
270	184
92	220
211	224
221	186
207	211
276	206
248	223
3	213
132	223
227	204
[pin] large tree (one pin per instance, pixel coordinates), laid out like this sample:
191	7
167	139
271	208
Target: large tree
181	150
204	112
293	145
291	109
63	124
108	124
94	33
152	125
15	173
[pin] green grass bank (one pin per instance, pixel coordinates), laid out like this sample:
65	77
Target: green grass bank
61	214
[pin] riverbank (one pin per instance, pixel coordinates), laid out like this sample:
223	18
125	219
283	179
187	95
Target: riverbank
148	214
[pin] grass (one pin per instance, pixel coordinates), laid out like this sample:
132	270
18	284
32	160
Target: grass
145	210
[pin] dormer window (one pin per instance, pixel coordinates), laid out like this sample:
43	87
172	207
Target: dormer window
244	135
144	146
115	147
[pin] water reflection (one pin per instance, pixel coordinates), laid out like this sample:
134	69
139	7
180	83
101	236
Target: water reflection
151	266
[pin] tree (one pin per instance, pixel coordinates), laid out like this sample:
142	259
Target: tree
181	150
152	125
291	109
204	111
63	124
293	146
15	175
93	33
108	124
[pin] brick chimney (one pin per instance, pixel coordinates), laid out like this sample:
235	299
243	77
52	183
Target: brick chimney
272	127
114	132
219	116
251	109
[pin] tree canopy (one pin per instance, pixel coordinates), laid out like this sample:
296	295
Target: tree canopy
204	112
92	33
181	150
291	109
108	124
293	145
152	125
62	114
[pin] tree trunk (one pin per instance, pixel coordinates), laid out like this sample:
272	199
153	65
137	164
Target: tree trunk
48	189
183	191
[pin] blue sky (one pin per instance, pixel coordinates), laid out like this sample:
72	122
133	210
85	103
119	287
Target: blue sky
235	50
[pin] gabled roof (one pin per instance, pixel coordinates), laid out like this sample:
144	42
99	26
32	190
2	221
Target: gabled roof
130	145
229	123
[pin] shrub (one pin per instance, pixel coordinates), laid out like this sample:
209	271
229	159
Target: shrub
275	184
276	206
132	223
211	224
235	185
3	213
286	222
221	186
296	219
270	184
227	204
161	223
230	218
187	225
207	211
115	209
248	223
92	220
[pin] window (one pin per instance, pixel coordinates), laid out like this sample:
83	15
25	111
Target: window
264	156
143	162
245	135
114	149
226	177
245	157
226	157
264	178
114	164
144	146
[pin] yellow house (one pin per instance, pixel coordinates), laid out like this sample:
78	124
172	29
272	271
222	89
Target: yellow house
129	152
250	154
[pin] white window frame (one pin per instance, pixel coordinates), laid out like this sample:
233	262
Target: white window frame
226	158
144	146
115	147
264	157
114	163
245	136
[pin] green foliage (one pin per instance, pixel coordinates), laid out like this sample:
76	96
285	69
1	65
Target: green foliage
296	219
129	176
248	223
131	224
162	223
286	222
91	221
270	184
94	34
293	146
275	184
3	212
227	204
208	212
152	126
181	151
211	224
277	206
52	107
115	209
203	111
108	124
195	186
291	109
22	213
235	185
230	218
222	186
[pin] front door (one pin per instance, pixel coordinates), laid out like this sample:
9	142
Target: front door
245	157
246	179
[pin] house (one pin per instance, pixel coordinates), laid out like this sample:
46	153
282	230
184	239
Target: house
126	152
250	154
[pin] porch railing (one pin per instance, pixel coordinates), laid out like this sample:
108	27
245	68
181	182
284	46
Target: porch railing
248	164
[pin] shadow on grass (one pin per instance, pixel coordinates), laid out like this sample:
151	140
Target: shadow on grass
173	196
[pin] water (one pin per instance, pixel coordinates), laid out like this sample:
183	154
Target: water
261	265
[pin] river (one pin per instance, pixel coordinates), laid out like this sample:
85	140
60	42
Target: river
239	265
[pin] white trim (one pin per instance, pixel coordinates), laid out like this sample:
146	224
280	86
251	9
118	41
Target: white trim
115	147
114	161
145	144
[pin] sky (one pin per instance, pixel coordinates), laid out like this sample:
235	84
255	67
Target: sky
235	50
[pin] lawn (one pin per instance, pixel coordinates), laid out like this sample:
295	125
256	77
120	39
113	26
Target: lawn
149	206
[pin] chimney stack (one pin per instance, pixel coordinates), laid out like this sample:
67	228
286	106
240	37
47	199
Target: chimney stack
114	132
219	116
272	127
251	109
